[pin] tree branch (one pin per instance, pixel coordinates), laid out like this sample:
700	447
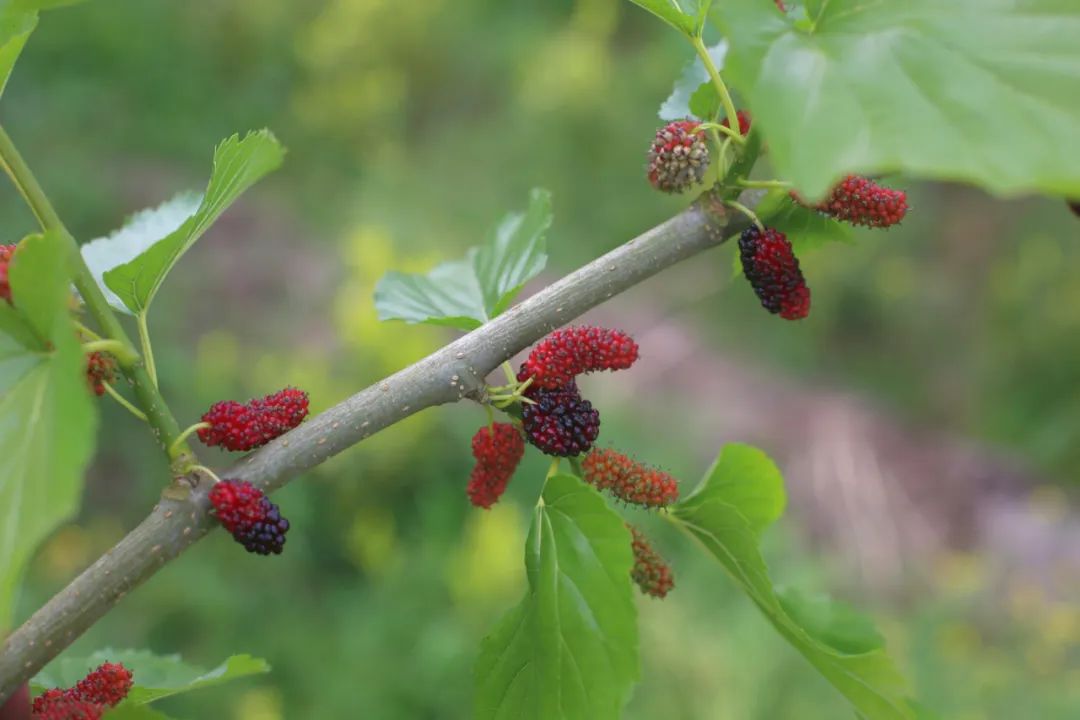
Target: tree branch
455	372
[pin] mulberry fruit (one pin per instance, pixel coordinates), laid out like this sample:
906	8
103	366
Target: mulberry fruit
629	480
567	353
678	157
102	688
6	251
559	421
497	449
100	369
861	201
651	573
237	426
250	517
107	685
57	705
744	121
773	271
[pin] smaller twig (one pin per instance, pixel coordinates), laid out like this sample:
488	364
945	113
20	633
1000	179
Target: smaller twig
176	448
123	401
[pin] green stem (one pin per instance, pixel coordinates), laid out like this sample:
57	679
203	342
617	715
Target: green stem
717	127
575	463
554	468
147	349
115	348
153	404
721	88
764	184
177	446
124	402
747	212
86	331
509	371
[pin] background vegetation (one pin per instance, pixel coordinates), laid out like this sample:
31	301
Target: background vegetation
411	128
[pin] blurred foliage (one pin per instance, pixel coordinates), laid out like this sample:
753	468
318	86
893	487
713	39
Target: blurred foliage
411	128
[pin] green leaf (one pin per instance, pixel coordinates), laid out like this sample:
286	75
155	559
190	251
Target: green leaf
128	711
15	28
970	90
46	418
738	499
569	650
238	164
466	293
694	94
138	234
156	676
670	13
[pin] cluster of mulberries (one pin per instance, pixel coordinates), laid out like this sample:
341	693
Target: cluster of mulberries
6	251
556	419
498	449
254	521
245	426
101	689
744	121
100	369
861	201
629	480
678	156
651	573
573	351
773	271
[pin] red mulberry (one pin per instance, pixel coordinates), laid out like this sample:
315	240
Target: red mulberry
861	201
567	353
250	517
107	685
744	121
100	369
58	705
678	157
559	421
102	688
498	450
6	251
629	480
773	270
651	573
237	426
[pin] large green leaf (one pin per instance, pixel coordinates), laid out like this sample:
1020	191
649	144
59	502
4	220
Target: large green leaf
743	494
984	91
238	164
694	94
15	28
18	18
671	13
139	232
569	650
466	293
155	676
46	416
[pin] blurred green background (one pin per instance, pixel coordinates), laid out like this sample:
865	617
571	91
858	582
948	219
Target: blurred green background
938	371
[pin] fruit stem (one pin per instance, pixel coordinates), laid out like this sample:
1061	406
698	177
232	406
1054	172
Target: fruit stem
717	127
158	415
124	401
86	331
554	468
203	468
117	349
764	184
746	211
176	447
509	371
575	463
147	349
721	88
491	420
